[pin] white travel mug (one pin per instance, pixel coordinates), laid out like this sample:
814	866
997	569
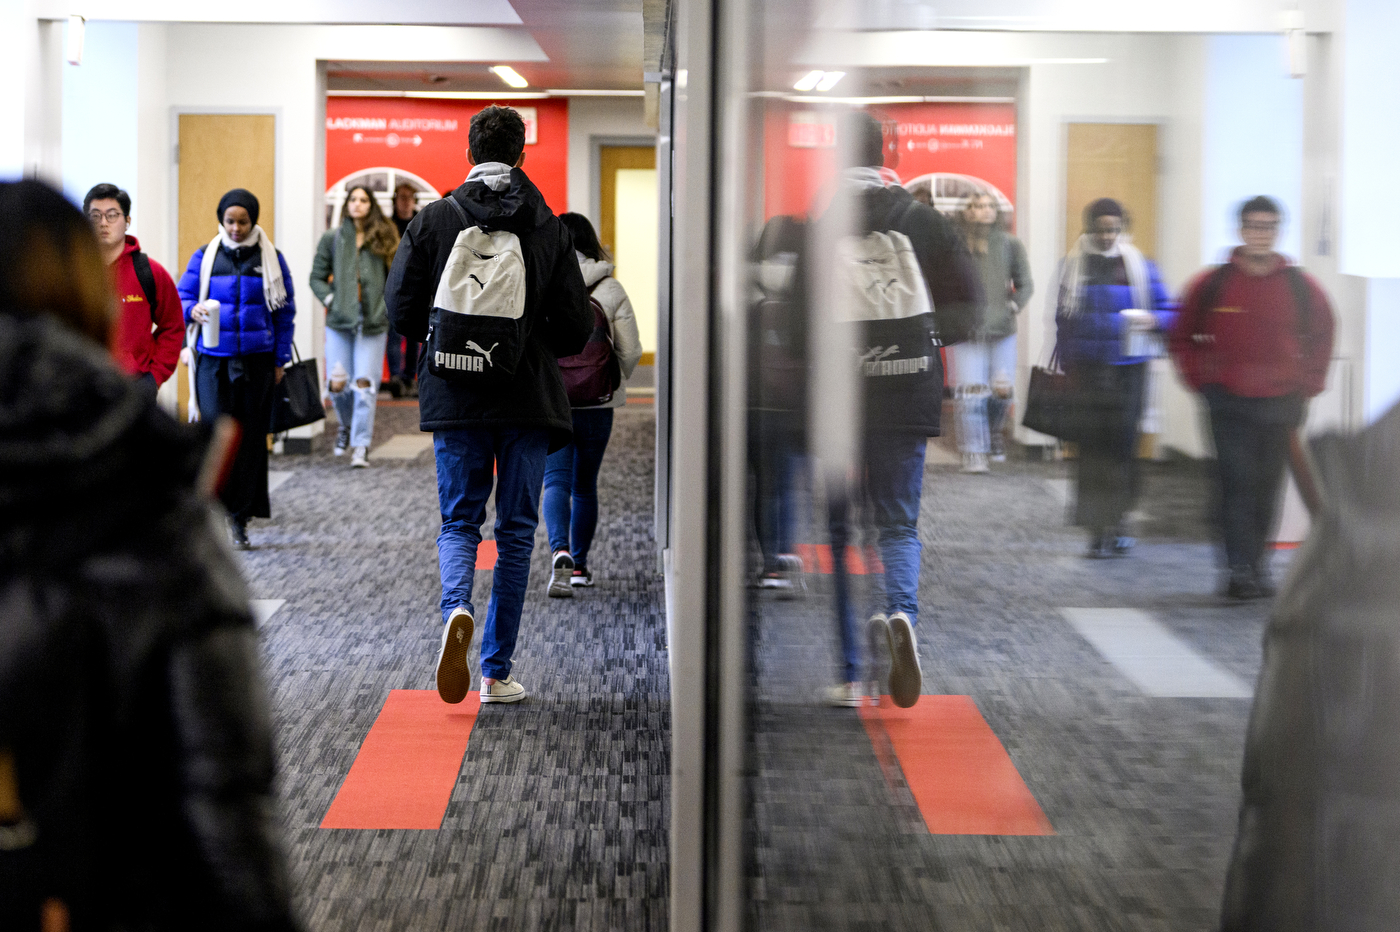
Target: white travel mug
211	326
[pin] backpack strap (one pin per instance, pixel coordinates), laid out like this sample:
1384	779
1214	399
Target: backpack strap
461	211
141	263
1302	301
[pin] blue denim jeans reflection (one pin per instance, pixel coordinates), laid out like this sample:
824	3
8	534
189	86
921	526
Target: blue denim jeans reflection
571	484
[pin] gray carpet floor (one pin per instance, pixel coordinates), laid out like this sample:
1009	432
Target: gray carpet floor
559	816
559	819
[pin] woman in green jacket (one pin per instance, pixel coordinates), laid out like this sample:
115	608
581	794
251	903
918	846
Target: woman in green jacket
348	275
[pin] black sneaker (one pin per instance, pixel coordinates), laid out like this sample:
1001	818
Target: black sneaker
238	534
395	387
560	584
582	576
342	441
1242	586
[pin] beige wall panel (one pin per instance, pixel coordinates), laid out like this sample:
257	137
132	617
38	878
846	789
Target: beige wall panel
219	151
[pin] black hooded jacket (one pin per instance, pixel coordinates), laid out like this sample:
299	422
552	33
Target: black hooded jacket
131	700
558	319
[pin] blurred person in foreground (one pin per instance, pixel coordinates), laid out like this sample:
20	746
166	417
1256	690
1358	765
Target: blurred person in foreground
1254	337
150	326
488	278
242	278
1109	301
984	368
136	757
901	263
347	275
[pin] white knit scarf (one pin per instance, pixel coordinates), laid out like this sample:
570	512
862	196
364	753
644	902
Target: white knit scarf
1072	275
274	289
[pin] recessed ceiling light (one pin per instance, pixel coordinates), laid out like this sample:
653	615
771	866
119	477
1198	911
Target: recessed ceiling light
829	80
808	81
509	75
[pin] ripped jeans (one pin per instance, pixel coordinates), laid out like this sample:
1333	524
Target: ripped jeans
356	361
984	373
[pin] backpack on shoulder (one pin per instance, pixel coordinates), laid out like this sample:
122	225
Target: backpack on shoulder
593	375
476	332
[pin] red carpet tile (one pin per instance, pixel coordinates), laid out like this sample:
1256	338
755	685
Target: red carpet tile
859	561
963	781
486	555
405	771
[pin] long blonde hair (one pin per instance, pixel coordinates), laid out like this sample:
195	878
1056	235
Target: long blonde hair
381	236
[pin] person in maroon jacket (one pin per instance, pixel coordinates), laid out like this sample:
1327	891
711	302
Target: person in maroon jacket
150	325
1254	337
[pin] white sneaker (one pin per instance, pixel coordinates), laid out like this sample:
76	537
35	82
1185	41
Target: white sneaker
359	459
844	696
975	463
906	677
506	690
454	677
561	578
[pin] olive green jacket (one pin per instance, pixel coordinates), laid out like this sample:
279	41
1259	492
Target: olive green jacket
1006	283
356	296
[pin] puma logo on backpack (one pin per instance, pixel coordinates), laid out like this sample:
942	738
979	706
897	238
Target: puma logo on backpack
477	329
885	295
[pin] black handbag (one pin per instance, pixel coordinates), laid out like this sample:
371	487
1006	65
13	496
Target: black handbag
1049	400
296	400
1075	407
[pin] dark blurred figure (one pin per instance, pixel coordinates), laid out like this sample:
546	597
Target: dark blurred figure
902	261
241	279
1254	337
150	325
135	737
984	368
778	399
402	353
1110	299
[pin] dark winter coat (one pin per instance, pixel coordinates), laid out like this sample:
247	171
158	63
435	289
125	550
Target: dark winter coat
247	326
557	320
130	694
1095	334
356	296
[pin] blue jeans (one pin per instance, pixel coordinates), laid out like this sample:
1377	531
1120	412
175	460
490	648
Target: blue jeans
571	484
891	489
358	357
464	460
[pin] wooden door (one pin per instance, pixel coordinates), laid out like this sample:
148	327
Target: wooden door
217	152
1117	160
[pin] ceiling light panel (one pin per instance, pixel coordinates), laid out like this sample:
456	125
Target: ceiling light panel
809	81
509	75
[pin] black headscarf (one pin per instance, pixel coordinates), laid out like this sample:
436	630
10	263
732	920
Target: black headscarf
239	197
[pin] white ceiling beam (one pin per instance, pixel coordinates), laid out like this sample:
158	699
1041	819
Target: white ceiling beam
307	12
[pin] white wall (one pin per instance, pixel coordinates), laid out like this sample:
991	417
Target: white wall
99	112
592	118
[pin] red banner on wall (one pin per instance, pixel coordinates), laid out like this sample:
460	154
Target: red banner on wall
428	139
957	148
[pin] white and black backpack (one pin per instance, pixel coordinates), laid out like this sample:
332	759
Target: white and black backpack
477	330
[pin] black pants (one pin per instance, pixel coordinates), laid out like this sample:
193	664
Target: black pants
241	387
1109	477
403	357
1251	447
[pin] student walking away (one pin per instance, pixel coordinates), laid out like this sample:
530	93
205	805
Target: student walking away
984	367
1110	301
1254	337
402	354
150	326
487	278
348	273
136	757
596	384
239	290
903	261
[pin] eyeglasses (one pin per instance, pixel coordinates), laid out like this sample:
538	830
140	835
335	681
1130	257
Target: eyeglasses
1264	227
111	216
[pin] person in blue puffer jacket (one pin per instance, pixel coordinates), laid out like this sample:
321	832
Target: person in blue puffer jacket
1110	303
244	273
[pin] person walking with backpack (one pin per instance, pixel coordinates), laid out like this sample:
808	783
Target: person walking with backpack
150	329
348	273
1254	338
898	263
1110	299
487	278
239	289
984	367
571	473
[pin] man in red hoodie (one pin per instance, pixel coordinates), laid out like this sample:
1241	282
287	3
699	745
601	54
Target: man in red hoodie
1254	337
150	327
